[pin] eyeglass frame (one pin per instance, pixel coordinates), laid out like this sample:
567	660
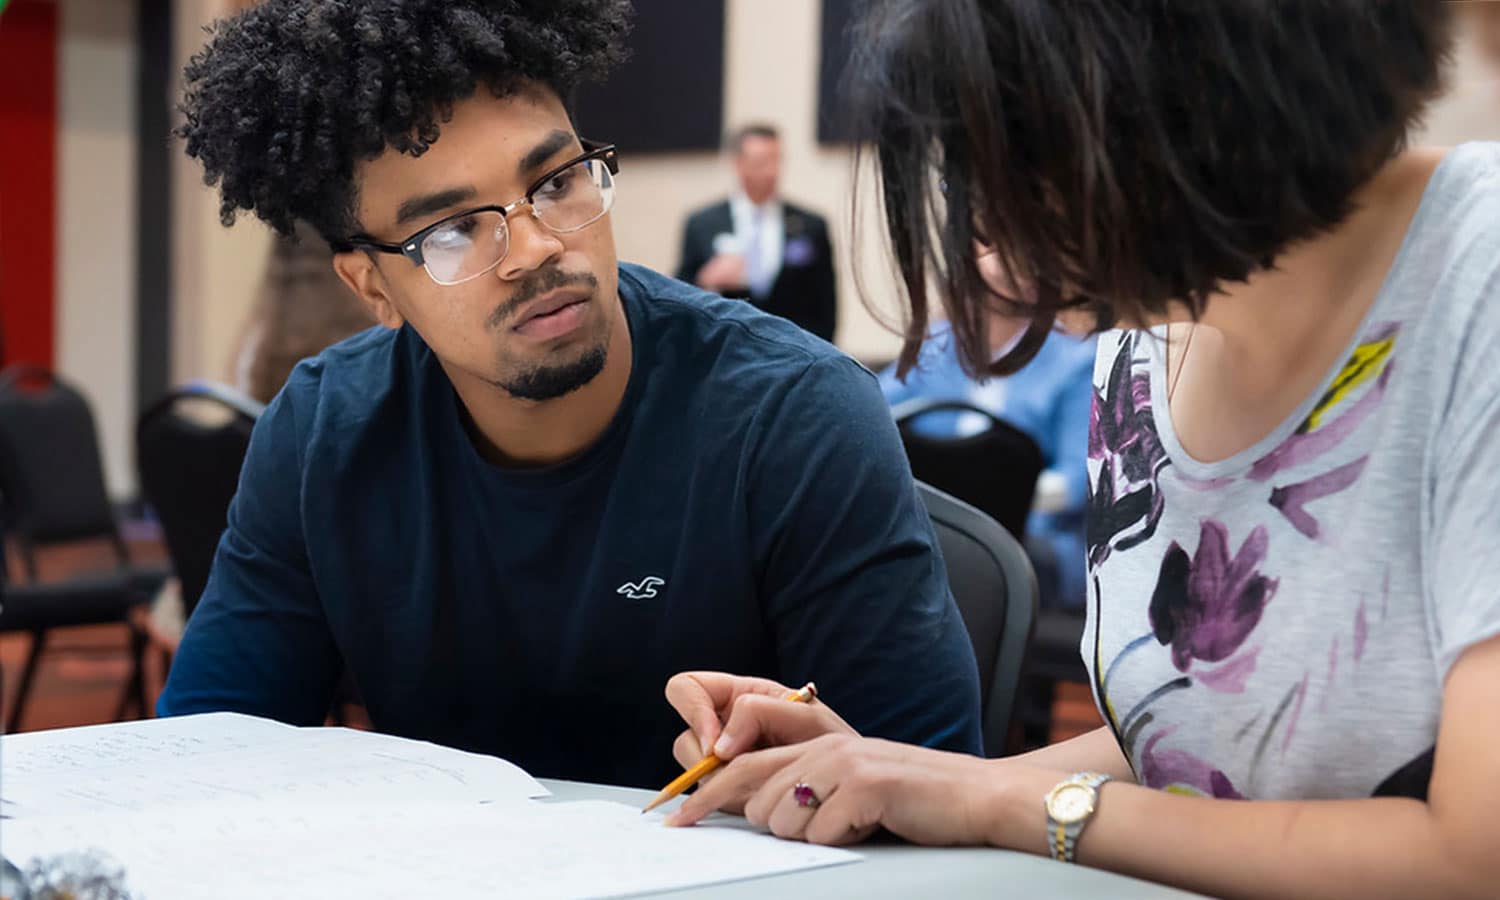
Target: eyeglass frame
411	248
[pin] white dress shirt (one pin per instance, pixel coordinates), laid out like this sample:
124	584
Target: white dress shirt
772	235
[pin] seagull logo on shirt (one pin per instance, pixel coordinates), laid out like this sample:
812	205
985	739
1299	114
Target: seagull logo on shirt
645	590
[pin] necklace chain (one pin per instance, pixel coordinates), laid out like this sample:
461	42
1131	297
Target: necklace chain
1181	361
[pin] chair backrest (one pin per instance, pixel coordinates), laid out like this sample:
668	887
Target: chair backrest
995	470
995	588
51	472
190	446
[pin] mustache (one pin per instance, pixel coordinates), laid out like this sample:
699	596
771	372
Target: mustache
537	284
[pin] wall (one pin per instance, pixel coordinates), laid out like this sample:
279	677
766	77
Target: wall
216	270
1470	111
28	135
96	218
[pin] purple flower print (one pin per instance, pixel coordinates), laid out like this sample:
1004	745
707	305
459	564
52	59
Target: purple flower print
1120	422
1307	445
1182	772
1111	515
1124	504
1231	677
1205	607
1292	499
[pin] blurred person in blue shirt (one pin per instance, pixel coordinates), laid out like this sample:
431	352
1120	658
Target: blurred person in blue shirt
1048	400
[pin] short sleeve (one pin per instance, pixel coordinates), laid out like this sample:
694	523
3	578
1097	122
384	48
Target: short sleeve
1463	527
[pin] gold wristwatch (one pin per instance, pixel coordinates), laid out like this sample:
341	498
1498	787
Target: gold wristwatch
1070	805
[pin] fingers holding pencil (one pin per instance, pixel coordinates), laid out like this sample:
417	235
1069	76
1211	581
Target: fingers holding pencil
756	722
706	765
705	701
738	715
729	714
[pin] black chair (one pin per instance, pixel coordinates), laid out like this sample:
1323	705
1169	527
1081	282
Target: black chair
996	592
190	446
1054	659
995	470
52	482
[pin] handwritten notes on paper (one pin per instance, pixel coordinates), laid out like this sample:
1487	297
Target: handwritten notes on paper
230	806
223	757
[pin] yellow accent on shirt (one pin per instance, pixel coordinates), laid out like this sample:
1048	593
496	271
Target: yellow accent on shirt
1364	365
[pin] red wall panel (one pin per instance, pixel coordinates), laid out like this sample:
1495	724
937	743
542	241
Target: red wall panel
28	179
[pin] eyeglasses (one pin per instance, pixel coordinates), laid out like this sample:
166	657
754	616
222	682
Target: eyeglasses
468	244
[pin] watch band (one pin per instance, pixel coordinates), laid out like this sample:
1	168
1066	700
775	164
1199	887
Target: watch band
1062	837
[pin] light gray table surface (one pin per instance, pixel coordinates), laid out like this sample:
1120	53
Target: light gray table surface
891	869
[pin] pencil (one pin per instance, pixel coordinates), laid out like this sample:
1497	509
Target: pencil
710	762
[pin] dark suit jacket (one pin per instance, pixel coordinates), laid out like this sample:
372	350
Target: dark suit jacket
804	289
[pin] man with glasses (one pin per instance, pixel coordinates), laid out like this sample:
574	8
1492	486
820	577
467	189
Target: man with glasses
552	480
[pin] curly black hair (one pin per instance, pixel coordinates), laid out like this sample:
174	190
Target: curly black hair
1122	155
287	97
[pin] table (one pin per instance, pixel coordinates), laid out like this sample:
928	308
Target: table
905	871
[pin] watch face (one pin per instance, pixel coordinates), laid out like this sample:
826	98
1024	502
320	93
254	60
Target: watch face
1071	803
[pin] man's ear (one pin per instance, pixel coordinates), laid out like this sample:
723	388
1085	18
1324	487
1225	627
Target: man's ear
357	270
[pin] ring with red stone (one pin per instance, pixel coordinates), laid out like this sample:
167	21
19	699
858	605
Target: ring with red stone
803	794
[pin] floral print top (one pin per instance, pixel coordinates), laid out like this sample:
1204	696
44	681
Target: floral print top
1278	625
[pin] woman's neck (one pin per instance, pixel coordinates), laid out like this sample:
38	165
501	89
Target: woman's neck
1264	345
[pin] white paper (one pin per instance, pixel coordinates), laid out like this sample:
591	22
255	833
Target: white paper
533	850
230	806
219	757
64	750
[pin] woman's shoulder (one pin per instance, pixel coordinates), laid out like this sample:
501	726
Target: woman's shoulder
1460	209
1448	273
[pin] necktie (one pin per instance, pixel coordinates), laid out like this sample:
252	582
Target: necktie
755	267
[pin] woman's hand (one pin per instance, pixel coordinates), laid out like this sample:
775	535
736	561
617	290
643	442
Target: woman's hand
732	714
860	784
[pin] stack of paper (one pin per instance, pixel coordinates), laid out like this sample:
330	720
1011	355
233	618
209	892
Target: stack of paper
231	806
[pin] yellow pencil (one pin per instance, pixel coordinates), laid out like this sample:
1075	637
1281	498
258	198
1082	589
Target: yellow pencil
710	762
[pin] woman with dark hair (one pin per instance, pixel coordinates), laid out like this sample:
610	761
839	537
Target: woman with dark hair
1293	453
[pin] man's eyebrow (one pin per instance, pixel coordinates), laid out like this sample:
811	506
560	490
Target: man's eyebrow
437	201
544	151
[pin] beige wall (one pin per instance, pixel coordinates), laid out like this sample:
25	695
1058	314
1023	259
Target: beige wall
216	270
1471	109
96	216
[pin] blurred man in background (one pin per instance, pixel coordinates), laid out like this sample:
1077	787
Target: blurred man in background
757	246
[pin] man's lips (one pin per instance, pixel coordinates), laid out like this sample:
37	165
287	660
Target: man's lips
549	303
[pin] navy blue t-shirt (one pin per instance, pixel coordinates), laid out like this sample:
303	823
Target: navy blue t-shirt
749	509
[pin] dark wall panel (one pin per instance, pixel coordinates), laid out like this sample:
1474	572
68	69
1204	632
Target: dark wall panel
833	118
670	95
153	289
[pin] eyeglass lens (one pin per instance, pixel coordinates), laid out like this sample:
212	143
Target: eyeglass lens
472	244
